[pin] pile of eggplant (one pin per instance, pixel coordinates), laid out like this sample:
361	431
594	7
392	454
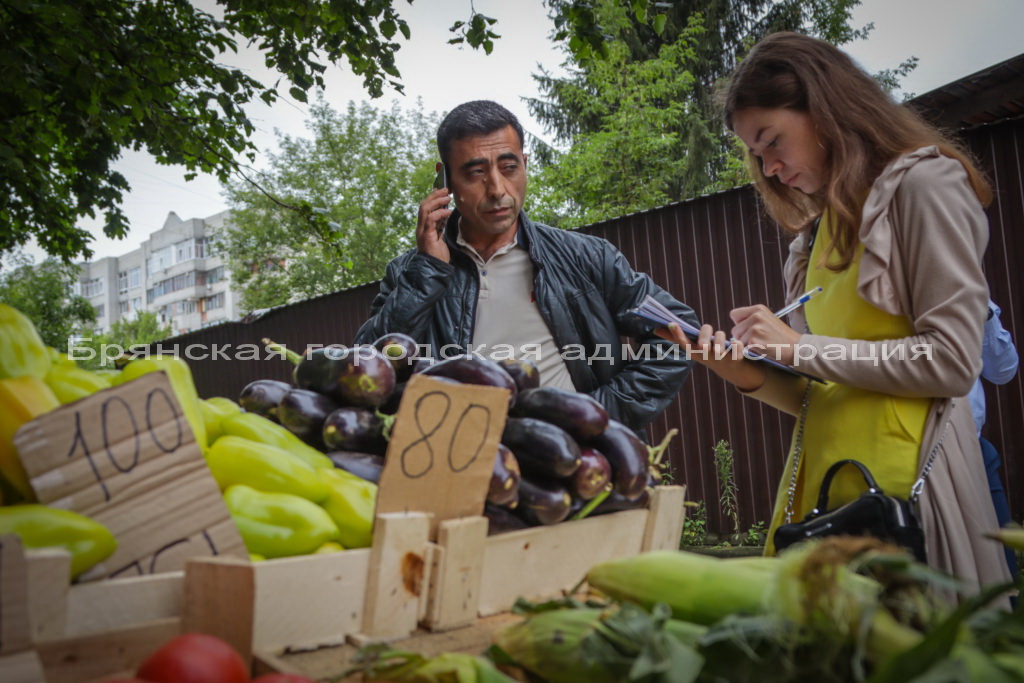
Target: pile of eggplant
560	455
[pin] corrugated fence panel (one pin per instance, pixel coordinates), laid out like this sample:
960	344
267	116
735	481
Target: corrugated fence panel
714	253
1000	148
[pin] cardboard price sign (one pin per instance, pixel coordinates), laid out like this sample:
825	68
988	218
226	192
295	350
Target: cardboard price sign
442	449
126	457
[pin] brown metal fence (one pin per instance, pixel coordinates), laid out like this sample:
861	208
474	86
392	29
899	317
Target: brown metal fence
714	253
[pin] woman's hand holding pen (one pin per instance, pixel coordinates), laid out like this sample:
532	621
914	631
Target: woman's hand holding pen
760	330
713	351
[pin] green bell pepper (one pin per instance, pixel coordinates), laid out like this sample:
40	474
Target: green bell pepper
41	526
70	382
258	428
215	410
351	502
278	524
22	351
234	460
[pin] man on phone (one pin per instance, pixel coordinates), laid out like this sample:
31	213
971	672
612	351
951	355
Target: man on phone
484	278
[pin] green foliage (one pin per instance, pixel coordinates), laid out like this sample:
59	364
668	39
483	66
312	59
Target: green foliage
728	494
695	525
635	117
141	330
43	293
84	79
368	168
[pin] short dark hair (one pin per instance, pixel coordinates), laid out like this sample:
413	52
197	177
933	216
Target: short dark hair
478	117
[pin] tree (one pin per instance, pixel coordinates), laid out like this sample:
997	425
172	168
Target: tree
140	330
367	168
637	109
43	293
84	79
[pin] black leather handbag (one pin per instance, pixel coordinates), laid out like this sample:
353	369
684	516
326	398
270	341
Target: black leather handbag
872	514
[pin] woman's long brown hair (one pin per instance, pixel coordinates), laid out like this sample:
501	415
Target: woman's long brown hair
860	126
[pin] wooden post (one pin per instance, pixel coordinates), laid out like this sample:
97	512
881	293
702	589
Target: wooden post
220	599
455	586
19	663
49	579
665	518
397	578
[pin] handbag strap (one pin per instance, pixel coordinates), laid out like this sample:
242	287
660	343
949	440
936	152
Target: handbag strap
918	487
798	447
826	482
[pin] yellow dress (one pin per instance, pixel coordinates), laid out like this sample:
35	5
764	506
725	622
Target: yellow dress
884	432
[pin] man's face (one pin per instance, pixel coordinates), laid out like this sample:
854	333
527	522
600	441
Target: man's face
487	175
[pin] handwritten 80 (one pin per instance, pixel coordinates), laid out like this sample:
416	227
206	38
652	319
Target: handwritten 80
433	411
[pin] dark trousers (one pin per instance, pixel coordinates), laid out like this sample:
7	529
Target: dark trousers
995	484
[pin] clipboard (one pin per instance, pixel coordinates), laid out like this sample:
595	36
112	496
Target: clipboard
653	311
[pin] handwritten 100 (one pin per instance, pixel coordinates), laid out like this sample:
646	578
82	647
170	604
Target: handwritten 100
107	413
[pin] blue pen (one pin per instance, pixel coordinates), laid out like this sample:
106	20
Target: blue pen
804	298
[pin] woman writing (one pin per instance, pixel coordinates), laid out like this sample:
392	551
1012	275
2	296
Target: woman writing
888	219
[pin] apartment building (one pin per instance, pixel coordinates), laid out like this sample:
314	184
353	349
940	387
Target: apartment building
175	273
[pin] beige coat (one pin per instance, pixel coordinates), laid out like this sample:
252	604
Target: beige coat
924	233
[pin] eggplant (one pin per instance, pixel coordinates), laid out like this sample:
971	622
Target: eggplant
263	396
421	364
543	502
523	372
303	412
501	520
318	369
579	414
354	429
542	449
616	502
366	466
401	350
390	406
474	370
628	457
365	378
593	475
504	487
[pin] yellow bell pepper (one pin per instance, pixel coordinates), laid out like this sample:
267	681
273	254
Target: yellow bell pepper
180	376
70	382
258	428
22	352
21	399
234	460
41	526
351	502
278	524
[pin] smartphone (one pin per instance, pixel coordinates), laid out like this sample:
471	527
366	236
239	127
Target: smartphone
441	179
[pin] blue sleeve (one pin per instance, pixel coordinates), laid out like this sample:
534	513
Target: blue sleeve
998	354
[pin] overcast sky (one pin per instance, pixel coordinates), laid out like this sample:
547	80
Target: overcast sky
952	39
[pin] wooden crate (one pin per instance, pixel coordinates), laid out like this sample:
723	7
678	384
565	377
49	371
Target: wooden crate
477	578
89	631
273	609
479	575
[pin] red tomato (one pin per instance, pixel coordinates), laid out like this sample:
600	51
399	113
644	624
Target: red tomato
194	658
282	678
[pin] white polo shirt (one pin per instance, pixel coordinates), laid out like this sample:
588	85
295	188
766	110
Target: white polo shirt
507	316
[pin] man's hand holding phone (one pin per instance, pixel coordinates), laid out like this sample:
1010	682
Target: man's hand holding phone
434	211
